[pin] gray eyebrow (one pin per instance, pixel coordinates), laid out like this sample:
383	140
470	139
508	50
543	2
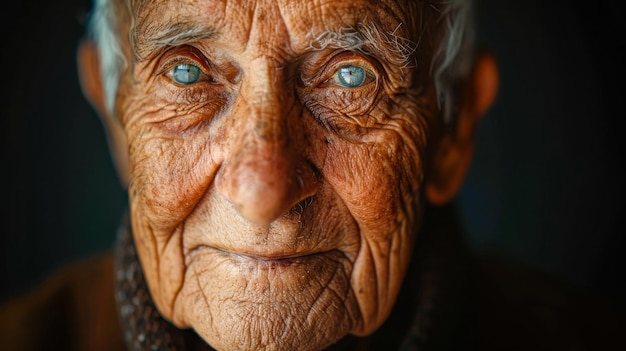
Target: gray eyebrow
155	37
369	38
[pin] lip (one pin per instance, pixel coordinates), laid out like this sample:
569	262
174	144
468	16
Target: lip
271	263
274	259
281	259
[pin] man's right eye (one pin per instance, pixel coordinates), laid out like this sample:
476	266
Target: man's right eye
186	73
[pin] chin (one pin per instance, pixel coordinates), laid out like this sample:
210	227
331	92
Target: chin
240	302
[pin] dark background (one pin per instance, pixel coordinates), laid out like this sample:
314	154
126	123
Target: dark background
546	187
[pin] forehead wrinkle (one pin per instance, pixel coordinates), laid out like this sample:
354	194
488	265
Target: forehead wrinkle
148	36
349	24
168	23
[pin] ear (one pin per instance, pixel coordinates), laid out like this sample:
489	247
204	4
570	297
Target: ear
453	154
93	90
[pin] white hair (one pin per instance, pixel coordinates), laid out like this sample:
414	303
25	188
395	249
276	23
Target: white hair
454	57
451	62
102	29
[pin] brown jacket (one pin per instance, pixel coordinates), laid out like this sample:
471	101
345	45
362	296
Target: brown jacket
73	310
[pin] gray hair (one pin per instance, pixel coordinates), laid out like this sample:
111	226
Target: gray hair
454	57
451	62
102	30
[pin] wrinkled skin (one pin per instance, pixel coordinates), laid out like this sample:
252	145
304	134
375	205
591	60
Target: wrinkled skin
272	207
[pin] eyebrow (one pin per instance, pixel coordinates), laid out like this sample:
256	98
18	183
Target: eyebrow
153	38
363	37
370	39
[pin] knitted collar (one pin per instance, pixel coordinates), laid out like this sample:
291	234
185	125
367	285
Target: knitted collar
428	309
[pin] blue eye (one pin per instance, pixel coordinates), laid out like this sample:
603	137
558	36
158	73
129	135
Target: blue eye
186	73
351	76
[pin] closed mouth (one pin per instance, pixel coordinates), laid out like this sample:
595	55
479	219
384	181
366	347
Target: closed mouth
270	259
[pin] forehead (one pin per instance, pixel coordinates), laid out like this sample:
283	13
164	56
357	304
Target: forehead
296	21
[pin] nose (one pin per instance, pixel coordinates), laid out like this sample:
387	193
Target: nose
265	172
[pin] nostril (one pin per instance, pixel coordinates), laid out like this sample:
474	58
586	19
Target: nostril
301	206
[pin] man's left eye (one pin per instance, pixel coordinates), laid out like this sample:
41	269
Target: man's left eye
351	76
186	73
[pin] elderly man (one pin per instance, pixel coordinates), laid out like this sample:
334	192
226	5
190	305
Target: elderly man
278	157
286	162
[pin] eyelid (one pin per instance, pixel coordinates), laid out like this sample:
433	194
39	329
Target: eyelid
188	55
167	67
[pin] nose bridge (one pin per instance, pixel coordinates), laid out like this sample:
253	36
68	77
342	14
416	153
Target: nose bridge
265	94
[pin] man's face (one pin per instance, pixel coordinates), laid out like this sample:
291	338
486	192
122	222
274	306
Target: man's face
277	154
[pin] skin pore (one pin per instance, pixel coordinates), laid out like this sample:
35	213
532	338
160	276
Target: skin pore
276	160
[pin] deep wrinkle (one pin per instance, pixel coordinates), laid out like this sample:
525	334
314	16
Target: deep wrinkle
239	182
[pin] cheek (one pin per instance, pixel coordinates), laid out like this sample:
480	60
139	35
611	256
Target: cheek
169	141
377	181
169	175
